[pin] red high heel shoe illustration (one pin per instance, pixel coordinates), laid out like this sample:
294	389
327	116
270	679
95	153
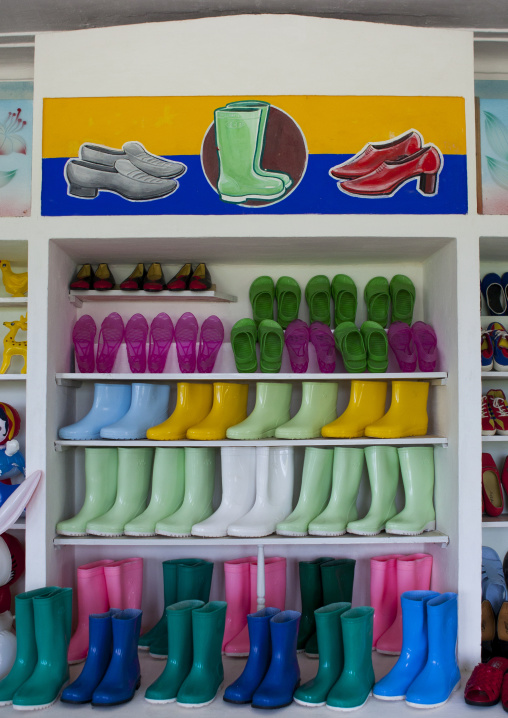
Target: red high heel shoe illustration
425	165
372	155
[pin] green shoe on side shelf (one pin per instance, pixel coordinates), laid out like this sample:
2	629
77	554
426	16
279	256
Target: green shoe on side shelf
376	346
317	296
244	335
402	292
289	294
271	343
261	296
350	344
344	295
377	299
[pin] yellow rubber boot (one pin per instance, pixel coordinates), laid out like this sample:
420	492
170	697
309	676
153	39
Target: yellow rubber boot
193	404
407	415
229	408
366	405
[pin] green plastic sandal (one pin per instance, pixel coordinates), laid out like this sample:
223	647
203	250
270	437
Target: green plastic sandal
344	296
271	342
377	299
261	295
349	343
317	296
376	346
288	294
402	292
243	344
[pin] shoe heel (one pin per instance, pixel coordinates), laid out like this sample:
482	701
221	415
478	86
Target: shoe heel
85	192
428	184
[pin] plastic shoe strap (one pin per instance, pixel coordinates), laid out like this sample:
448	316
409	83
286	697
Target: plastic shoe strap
485	679
485	408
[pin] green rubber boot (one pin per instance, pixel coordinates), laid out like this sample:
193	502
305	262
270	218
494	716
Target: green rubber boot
341	509
418	514
270	411
331	656
101	470
236	134
311	591
383	466
314	493
179	663
318	408
197	501
357	679
168	483
52	613
207	673
26	648
134	472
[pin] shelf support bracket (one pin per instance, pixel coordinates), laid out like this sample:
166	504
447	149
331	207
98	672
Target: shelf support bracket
73	383
76	301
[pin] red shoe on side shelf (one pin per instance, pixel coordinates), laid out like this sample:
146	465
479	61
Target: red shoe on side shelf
488	426
499	412
486	683
491	487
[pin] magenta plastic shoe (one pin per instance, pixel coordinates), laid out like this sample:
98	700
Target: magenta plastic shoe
210	341
83	335
426	345
400	339
161	336
186	334
297	337
322	337
136	333
110	338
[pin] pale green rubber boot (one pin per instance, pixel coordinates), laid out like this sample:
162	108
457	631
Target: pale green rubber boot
265	108
383	466
207	673
341	509
270	411
314	493
418	515
318	408
197	501
331	655
101	469
134	472
179	663
236	134
53	623
168	485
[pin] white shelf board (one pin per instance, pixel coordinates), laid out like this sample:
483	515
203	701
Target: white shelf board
494	375
346	539
494	438
12	377
495	522
77	297
13	301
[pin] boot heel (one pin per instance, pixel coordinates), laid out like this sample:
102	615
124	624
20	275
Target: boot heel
85	192
428	184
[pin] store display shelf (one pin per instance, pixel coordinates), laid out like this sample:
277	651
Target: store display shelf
77	297
494	438
63	444
12	377
495	522
347	539
13	301
494	375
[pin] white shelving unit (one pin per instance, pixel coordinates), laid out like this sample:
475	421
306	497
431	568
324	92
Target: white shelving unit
118	296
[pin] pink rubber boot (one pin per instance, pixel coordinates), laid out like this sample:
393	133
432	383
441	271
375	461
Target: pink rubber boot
238	596
124	580
413	574
383	592
92	595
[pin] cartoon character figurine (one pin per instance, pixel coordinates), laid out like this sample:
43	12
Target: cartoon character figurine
13	347
12	461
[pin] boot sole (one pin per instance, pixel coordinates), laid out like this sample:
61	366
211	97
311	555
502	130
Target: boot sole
266	198
167	533
390	698
200	705
119	703
348	710
161	702
425	706
325	533
70	533
236	655
135	533
431	526
307	703
42	705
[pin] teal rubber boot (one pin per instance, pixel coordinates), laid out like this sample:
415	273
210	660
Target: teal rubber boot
318	408
236	134
134	472
341	509
197	501
311	592
331	655
383	466
101	470
207	673
314	493
270	411
357	679
26	647
179	663
168	484
53	623
418	515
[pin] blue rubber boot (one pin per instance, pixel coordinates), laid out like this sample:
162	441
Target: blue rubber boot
148	407
242	690
99	655
413	655
493	581
441	675
283	675
123	675
110	403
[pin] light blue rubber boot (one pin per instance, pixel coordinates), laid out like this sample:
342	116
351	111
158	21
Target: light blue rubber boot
493	581
149	407
441	675
110	403
413	655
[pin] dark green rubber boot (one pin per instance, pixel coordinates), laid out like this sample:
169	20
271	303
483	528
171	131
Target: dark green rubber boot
312	597
169	581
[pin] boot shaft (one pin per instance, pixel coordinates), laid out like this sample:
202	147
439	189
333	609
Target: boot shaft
208	624
124	580
238	473
53	624
236	133
414	621
417	469
346	472
316	475
337	578
357	629
273	399
442	623
199	476
194	580
284	635
329	635
179	621
168	476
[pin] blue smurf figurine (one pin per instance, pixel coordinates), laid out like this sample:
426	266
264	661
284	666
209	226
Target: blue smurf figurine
12	461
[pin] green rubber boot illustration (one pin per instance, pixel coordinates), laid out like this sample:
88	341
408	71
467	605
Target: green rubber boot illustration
179	663
331	655
314	493
311	592
418	514
101	469
318	408
270	411
168	483
236	134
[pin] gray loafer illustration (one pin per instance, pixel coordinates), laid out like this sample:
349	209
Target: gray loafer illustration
137	154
